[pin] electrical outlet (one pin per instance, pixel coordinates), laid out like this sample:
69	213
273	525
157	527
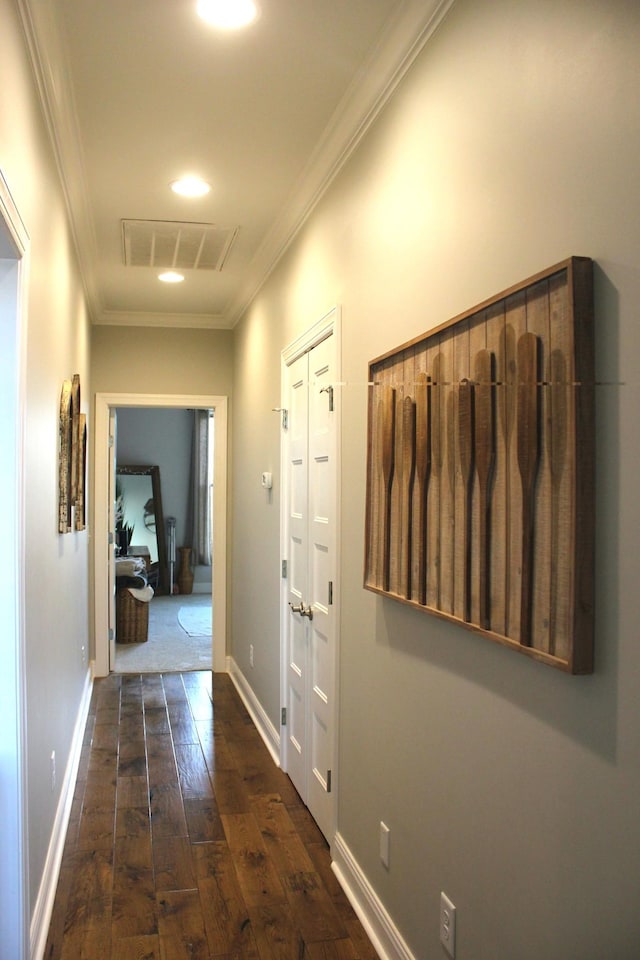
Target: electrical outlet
53	770
385	839
250	654
447	925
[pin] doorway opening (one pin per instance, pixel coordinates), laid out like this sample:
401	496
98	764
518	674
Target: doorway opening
104	488
14	930
164	500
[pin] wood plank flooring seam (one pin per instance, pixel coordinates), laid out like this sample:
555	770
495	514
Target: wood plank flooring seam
204	851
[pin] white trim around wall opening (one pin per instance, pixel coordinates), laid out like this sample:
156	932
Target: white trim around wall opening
327	326
14	863
103	404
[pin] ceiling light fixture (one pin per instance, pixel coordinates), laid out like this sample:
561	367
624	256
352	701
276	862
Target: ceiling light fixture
228	14
190	187
171	277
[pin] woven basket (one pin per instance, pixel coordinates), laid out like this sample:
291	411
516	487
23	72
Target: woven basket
132	618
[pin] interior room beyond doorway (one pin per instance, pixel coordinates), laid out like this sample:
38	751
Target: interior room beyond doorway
179	638
163	516
106	406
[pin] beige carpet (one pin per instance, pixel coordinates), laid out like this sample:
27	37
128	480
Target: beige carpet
169	647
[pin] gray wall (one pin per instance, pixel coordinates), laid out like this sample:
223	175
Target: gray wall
162	437
54	567
512	144
161	361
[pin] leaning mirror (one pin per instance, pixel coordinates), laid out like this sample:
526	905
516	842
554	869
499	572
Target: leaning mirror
139	503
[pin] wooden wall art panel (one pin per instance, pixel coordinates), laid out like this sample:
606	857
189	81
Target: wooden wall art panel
72	458
65	470
480	469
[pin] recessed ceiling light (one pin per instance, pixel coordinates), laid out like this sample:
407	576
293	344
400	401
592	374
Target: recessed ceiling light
228	14
190	187
171	277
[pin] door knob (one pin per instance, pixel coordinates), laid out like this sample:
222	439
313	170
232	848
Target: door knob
301	609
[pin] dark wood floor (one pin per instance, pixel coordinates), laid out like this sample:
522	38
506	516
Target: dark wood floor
186	842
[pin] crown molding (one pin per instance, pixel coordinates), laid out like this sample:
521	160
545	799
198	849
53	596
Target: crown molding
407	33
185	321
50	65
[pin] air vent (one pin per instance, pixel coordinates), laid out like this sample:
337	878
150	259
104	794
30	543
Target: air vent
184	246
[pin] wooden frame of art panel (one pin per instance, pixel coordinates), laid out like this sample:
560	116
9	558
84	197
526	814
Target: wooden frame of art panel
480	469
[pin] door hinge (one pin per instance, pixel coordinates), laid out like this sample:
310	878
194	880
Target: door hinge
285	415
328	781
284	569
111	634
329	390
283	718
330	592
111	442
110	539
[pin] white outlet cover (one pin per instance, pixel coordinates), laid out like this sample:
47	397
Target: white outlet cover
447	925
385	843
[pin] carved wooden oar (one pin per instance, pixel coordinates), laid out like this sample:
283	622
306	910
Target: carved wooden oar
507	407
408	467
397	491
423	469
485	459
557	449
386	426
528	425
435	486
465	448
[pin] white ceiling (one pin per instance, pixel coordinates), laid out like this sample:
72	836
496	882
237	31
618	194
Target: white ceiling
140	92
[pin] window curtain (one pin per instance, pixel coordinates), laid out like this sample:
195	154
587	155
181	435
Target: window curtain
199	513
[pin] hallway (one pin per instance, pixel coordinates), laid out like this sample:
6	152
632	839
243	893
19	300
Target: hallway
186	842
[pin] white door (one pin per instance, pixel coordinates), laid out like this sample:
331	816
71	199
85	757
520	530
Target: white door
310	616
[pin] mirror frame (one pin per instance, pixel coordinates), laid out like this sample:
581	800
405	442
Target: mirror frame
154	473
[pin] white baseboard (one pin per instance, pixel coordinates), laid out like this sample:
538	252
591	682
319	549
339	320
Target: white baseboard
46	895
263	724
381	930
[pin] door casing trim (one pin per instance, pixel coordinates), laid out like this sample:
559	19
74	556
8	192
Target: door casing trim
104	402
15	826
328	325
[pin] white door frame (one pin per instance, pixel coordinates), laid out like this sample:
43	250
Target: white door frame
103	404
14	863
328	325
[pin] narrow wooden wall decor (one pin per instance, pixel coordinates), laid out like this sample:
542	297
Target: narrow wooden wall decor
80	506
480	469
65	470
72	458
75	436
